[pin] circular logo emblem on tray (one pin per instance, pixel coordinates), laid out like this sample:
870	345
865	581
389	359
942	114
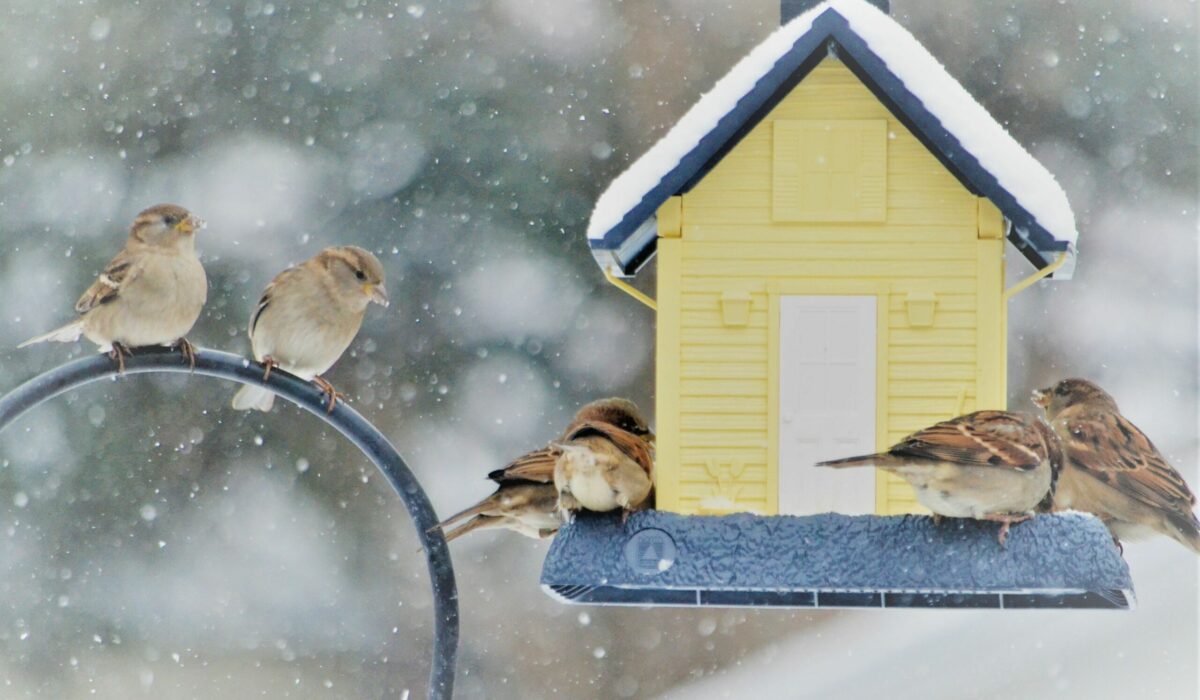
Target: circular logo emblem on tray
650	551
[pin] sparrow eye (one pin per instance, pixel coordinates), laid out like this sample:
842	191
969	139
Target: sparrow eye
170	219
1060	390
360	275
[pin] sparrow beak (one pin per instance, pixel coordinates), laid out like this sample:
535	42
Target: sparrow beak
191	224
1041	397
377	292
650	437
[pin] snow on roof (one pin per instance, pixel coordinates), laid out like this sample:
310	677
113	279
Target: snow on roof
997	151
625	192
1033	189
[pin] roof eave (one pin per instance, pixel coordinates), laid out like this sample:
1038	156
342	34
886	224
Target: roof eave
793	67
1042	250
628	258
624	246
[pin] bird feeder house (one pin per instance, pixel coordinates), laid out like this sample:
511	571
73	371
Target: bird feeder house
829	224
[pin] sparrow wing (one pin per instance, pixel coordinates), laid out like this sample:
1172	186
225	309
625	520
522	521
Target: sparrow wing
119	272
1110	448
536	466
269	294
983	438
633	446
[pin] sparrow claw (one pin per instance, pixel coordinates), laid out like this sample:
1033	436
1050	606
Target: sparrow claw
118	353
568	506
189	352
1006	522
331	392
269	363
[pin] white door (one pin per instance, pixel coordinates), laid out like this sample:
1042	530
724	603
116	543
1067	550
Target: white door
826	402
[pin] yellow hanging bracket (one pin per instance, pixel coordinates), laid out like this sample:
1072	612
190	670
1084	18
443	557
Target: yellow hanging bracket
1028	281
628	288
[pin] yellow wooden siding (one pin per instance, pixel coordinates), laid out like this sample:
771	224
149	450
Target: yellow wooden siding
930	372
668	352
920	192
991	328
829	170
717	384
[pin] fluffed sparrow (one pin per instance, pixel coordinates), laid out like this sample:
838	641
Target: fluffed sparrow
987	465
527	499
605	460
151	293
307	317
1113	470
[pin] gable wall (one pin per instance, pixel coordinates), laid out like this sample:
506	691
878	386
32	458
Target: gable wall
717	403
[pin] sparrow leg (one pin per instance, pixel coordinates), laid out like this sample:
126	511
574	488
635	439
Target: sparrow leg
333	394
1006	521
568	506
1120	547
118	353
937	519
269	363
626	509
189	352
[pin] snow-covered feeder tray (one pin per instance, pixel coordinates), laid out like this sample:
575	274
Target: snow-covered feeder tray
1063	560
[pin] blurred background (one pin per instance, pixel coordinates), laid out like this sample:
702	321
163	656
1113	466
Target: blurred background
153	543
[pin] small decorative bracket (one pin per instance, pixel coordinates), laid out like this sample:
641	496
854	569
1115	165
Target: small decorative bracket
920	306
735	308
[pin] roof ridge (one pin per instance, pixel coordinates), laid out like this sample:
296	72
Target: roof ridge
912	83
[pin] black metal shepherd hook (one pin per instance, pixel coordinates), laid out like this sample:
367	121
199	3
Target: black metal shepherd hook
345	420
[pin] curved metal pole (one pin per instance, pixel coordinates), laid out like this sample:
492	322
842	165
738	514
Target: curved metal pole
345	420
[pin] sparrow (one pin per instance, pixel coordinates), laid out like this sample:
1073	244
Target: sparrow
1113	470
534	493
605	460
151	293
525	506
307	317
987	465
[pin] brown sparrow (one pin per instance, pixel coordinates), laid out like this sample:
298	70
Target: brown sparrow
1113	470
151	293
605	460
529	497
987	465
307	317
526	506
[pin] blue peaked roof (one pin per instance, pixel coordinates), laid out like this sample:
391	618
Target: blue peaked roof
632	240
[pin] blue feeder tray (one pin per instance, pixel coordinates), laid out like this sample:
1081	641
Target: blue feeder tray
1064	560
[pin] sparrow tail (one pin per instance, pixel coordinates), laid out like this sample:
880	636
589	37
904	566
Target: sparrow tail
67	334
1186	530
479	522
477	509
255	397
881	459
